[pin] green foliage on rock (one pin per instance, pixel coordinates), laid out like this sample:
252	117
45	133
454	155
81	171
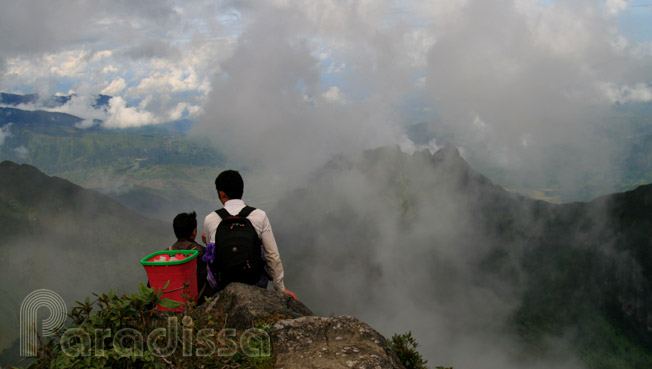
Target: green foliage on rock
405	347
128	332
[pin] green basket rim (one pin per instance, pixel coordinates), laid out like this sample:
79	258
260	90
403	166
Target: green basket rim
190	253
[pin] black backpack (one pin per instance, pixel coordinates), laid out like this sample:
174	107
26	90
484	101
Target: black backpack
237	249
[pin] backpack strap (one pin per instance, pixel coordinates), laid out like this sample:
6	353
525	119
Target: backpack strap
243	213
223	213
246	211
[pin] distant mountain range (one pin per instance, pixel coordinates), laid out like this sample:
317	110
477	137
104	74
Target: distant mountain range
159	163
626	132
423	242
100	101
13	111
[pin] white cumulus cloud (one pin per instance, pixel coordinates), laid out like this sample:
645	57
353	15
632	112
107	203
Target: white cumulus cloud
123	116
334	95
115	87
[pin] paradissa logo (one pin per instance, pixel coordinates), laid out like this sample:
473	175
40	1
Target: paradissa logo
161	342
29	309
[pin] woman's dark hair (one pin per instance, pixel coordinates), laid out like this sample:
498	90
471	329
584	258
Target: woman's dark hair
184	224
230	181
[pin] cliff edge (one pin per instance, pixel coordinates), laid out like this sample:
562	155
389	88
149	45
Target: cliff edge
303	340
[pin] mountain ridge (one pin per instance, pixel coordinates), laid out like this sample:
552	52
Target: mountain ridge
577	272
10	99
50	227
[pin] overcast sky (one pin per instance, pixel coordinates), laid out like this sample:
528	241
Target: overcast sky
512	77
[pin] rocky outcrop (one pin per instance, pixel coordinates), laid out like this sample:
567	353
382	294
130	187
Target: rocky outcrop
300	340
335	342
242	305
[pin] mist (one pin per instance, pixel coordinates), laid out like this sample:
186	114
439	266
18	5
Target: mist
522	88
415	243
516	85
532	81
268	112
70	240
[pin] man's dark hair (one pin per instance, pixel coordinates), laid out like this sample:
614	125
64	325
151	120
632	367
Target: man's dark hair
230	181
184	224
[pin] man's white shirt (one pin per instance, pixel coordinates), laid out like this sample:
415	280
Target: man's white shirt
259	220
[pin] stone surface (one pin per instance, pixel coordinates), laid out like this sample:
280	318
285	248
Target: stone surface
334	342
242	305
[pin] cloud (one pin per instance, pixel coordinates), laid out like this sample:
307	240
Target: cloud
22	153
152	48
408	146
73	63
535	74
149	46
121	115
401	241
615	6
268	107
36	27
509	81
80	105
3	67
172	79
112	184
4	133
532	74
334	94
181	109
151	110
641	92
115	87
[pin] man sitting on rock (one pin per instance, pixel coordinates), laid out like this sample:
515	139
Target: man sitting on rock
234	235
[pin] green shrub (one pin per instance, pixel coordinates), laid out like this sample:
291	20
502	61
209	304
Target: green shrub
405	347
94	343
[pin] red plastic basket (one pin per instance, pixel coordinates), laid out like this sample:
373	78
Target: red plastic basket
177	272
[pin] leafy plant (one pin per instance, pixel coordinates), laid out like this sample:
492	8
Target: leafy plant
123	332
405	347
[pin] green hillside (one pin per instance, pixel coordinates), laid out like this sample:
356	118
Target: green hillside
74	241
157	171
84	149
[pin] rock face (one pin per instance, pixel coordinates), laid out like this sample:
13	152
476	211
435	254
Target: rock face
336	342
301	340
243	304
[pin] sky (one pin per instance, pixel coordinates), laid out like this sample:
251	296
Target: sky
286	84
